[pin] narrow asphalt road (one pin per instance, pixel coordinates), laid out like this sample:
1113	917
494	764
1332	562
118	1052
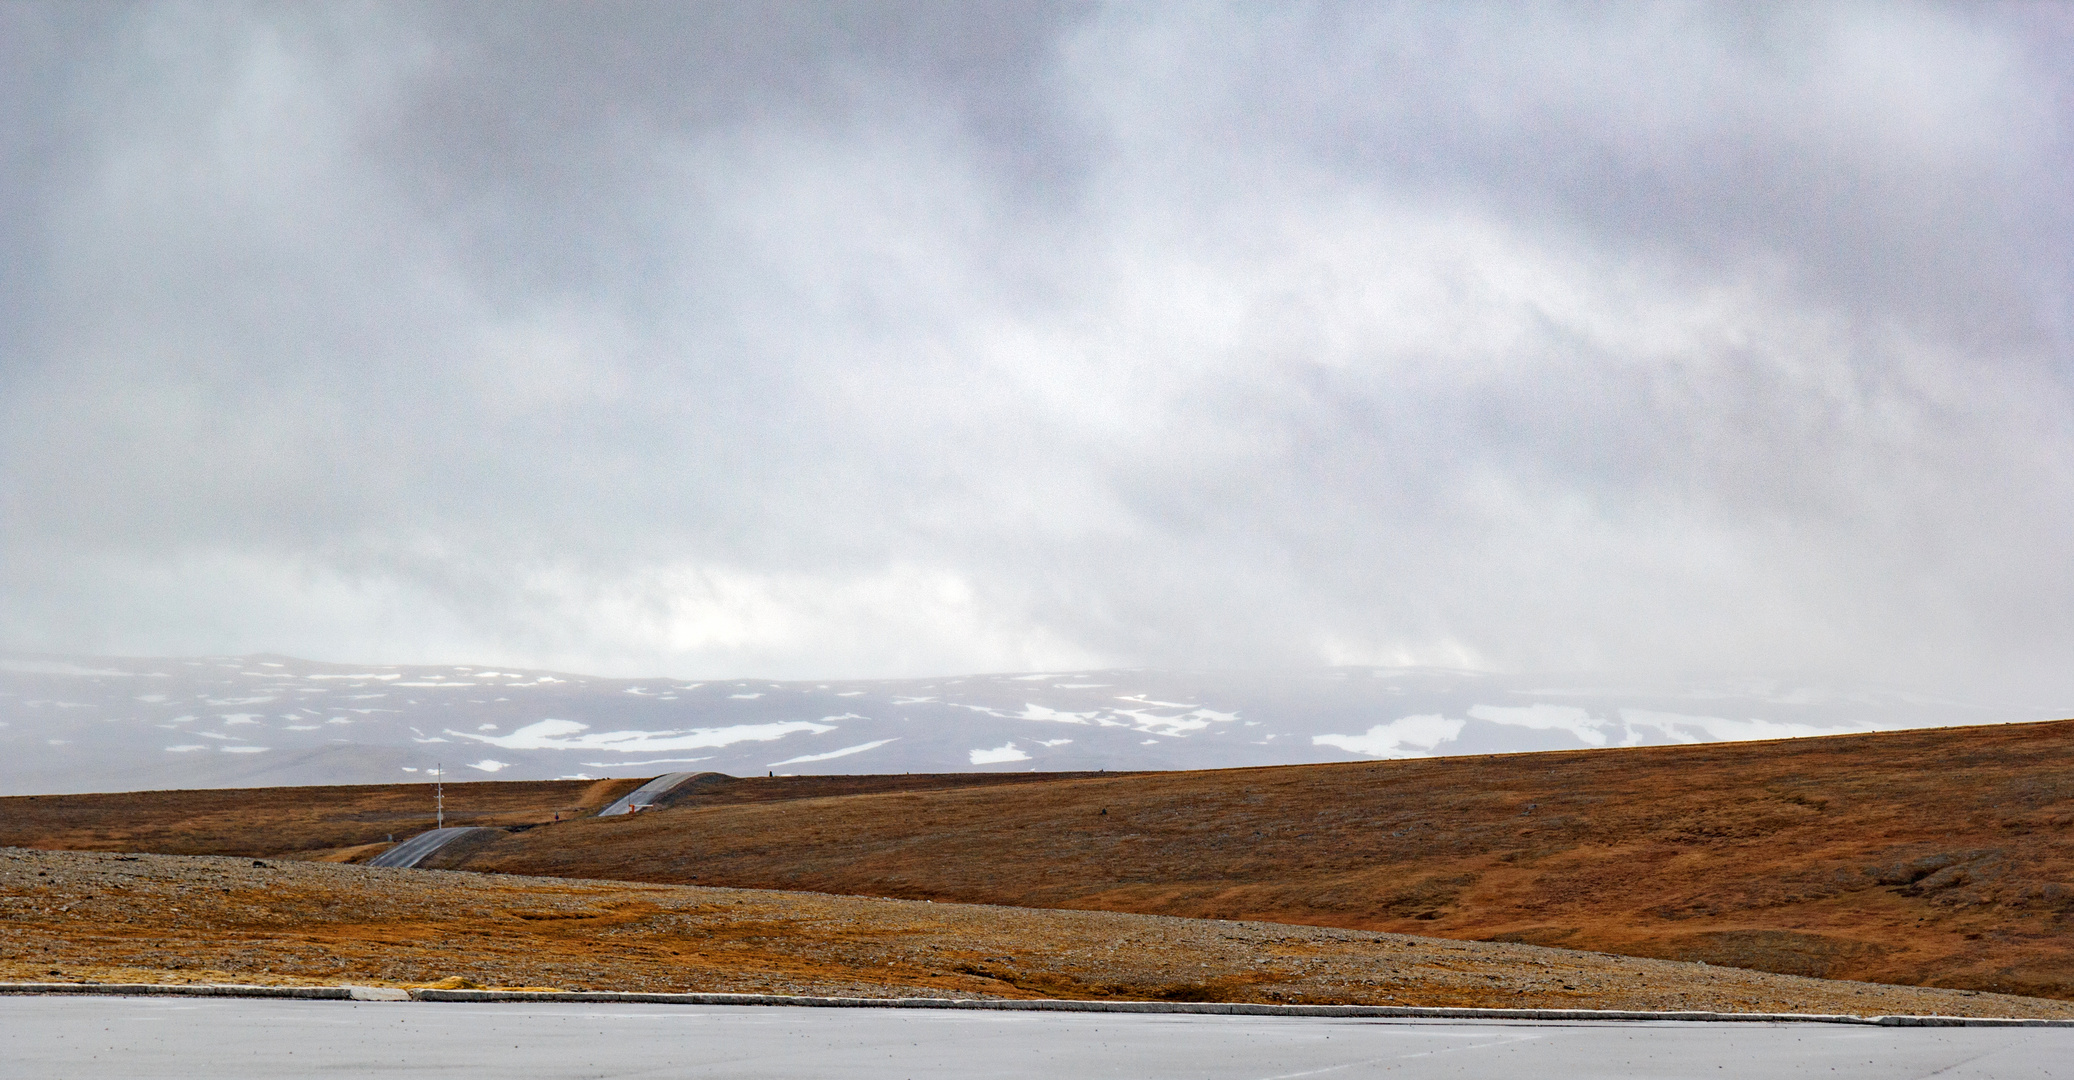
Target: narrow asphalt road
647	793
413	851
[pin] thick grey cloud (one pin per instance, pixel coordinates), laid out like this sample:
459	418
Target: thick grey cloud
892	339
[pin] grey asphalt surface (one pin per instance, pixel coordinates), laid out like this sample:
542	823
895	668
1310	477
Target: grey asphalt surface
413	851
234	1039
647	793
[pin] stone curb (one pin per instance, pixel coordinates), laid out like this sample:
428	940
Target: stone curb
1209	1008
1217	1008
322	993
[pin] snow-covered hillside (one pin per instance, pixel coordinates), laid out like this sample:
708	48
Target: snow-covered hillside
96	724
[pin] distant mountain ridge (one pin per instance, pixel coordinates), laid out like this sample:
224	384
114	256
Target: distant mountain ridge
74	724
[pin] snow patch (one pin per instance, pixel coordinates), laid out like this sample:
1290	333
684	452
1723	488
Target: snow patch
1540	717
1142	699
628	764
1155	724
1034	711
389	675
571	735
832	754
1406	736
1677	727
999	754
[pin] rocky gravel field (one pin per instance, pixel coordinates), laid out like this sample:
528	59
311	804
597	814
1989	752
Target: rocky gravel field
89	916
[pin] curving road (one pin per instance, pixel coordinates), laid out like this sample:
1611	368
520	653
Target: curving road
414	850
645	795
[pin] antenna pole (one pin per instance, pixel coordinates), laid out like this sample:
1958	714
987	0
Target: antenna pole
438	797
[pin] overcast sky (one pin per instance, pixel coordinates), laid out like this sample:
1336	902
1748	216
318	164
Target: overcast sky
882	339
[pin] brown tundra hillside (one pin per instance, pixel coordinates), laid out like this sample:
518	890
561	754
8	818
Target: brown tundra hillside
1931	857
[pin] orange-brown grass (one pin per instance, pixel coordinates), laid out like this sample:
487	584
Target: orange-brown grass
1935	857
305	822
128	918
352	823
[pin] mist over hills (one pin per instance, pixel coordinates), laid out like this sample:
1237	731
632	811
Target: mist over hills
75	724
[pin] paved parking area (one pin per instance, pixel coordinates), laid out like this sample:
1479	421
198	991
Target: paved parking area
232	1039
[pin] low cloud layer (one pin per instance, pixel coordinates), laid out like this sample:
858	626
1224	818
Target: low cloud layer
883	340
